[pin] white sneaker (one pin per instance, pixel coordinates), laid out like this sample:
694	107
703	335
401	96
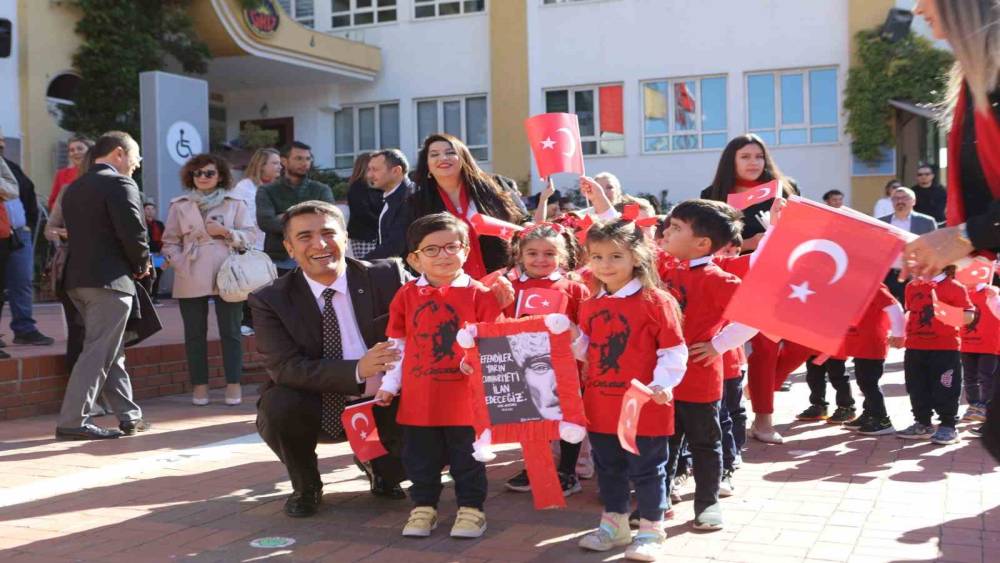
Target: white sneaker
423	519
613	532
648	543
246	331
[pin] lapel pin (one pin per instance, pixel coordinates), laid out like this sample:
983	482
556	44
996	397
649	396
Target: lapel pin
361	290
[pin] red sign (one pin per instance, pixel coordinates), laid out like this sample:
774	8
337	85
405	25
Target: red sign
628	421
359	425
263	19
555	142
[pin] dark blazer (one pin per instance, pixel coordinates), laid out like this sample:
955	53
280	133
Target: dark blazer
26	189
107	231
364	203
289	326
920	224
394	223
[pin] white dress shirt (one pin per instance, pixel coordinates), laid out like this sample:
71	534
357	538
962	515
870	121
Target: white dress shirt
350	335
902	223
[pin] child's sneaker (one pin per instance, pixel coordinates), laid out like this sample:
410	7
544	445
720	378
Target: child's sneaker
613	532
877	427
422	520
469	523
858	422
814	412
634	519
726	488
709	518
519	482
585	467
916	431
570	484
841	415
945	435
976	431
679	483
974	413
648	543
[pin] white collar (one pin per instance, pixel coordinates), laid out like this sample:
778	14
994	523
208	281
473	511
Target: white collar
699	261
628	290
981	286
392	191
463	280
938	278
556	275
339	285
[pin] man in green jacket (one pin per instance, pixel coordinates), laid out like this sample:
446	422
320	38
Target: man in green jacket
275	198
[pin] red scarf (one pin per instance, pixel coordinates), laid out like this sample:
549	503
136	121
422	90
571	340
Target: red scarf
741	183
474	265
987	141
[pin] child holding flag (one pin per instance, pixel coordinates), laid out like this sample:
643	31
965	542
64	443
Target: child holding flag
981	350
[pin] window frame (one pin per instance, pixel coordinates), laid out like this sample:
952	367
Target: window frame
356	129
292	4
437	16
353	10
545	4
699	131
807	124
596	138
463	99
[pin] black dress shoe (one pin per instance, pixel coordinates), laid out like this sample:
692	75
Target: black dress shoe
33	338
87	432
303	503
132	427
382	488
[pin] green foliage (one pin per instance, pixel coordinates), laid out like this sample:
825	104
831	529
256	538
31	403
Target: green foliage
122	38
330	177
911	69
252	137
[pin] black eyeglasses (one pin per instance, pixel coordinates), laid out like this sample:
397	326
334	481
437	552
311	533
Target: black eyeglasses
433	250
204	173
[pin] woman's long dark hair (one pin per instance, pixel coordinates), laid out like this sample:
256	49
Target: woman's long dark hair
490	198
725	174
360	167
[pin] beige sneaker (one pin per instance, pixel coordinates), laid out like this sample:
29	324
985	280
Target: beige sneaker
469	523
648	543
234	394
199	395
613	532
423	519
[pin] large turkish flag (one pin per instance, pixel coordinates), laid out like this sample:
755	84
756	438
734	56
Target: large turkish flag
555	143
816	274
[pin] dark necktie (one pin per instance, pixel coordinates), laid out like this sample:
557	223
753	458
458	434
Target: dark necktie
333	349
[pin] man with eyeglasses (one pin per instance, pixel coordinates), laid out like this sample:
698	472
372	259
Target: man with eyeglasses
930	194
905	217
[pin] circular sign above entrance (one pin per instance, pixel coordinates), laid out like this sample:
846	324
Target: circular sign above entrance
183	142
262	19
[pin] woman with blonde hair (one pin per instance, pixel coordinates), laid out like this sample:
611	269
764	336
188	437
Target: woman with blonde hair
264	167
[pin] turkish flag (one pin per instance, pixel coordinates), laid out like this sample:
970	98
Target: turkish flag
949	314
359	425
491	226
628	421
754	196
555	142
979	270
540	301
815	276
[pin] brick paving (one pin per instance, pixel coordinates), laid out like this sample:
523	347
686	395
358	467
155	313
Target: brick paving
201	487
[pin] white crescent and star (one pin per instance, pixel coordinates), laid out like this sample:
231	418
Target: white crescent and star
569	139
828	247
360	416
759	194
548	143
633	406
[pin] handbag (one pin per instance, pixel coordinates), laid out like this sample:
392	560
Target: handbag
242	273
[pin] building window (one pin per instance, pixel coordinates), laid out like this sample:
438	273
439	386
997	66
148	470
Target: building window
301	11
563	1
350	13
464	117
364	128
434	8
599	108
684	114
794	107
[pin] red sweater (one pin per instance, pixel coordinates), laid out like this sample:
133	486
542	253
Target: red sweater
923	330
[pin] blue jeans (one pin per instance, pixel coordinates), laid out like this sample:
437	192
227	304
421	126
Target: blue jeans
20	293
698	423
616	467
732	421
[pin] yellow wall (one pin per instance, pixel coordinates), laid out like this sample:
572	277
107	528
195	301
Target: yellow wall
46	44
861	15
509	88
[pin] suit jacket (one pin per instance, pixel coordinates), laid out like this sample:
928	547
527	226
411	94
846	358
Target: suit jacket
395	221
289	324
107	231
920	224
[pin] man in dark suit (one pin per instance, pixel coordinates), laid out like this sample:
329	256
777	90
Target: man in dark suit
904	217
387	174
107	249
321	332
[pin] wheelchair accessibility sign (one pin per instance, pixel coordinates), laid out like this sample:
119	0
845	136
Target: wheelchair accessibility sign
183	142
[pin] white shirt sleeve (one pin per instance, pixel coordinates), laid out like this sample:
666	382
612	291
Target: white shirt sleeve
760	246
733	335
392	381
580	347
671	363
608	214
897	320
993	303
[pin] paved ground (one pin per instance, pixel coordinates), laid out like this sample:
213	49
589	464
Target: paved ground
201	487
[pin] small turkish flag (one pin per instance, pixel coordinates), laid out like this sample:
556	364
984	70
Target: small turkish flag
628	421
949	314
359	425
979	270
815	276
540	301
754	196
555	142
491	226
